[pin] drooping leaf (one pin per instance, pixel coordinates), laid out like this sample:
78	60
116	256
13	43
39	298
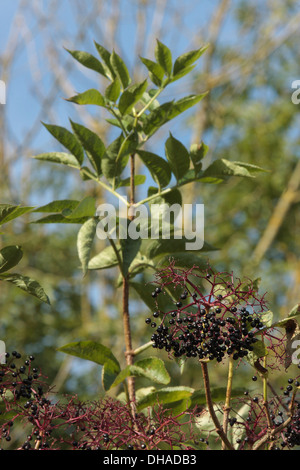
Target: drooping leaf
85	240
67	139
27	284
10	256
97	353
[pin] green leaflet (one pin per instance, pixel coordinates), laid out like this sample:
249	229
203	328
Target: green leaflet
151	368
120	69
92	97
163	56
178	157
131	96
88	60
10	212
68	140
85	240
30	286
10	256
97	353
91	143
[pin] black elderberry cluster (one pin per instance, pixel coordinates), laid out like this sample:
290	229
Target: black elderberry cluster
19	382
18	378
292	433
211	333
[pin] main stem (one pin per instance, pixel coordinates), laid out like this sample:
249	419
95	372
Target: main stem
210	406
126	315
128	340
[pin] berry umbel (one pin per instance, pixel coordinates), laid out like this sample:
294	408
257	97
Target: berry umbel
214	315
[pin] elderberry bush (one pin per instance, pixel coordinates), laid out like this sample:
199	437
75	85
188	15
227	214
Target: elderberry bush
220	316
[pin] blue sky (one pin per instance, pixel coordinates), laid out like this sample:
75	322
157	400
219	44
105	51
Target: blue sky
22	105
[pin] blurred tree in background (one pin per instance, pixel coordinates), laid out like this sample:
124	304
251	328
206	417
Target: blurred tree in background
247	116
